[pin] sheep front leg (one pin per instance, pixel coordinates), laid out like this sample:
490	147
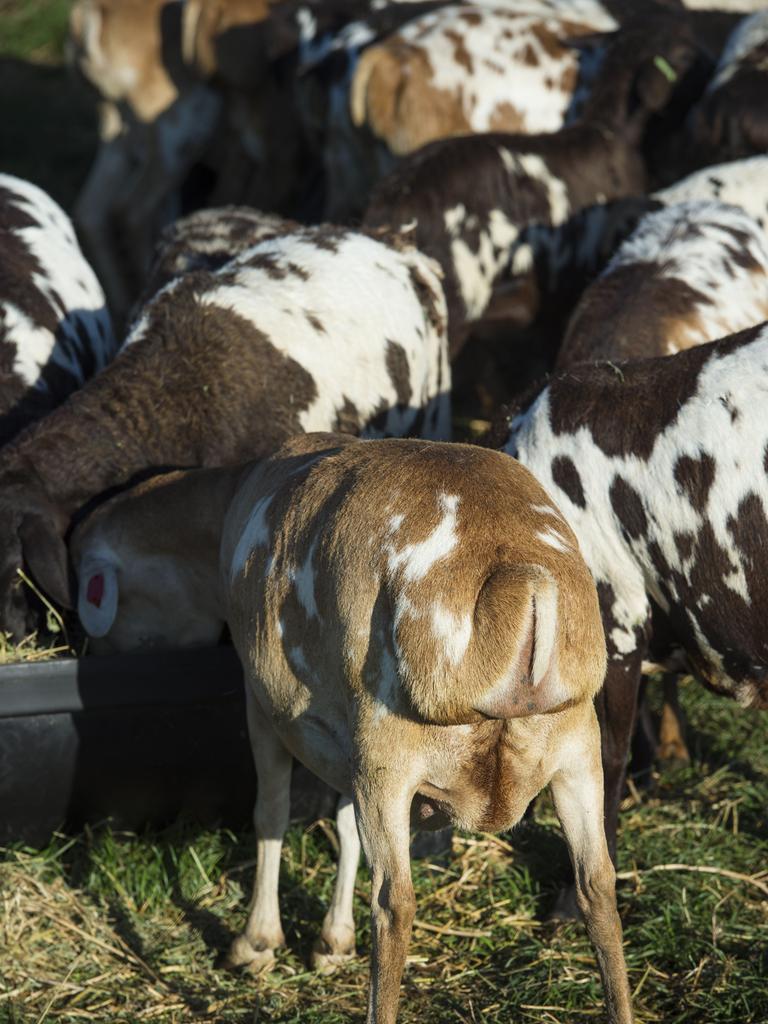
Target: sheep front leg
263	933
616	706
383	818
337	939
672	745
577	789
110	177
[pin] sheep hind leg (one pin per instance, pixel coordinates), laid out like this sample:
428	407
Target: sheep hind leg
384	821
577	789
336	943
254	949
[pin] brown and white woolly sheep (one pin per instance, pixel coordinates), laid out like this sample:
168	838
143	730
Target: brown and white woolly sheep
689	273
320	328
470	201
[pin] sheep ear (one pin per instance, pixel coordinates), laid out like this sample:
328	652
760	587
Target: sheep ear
190	19
97	597
45	555
654	83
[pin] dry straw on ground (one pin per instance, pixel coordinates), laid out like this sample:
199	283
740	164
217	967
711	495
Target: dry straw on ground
70	957
129	929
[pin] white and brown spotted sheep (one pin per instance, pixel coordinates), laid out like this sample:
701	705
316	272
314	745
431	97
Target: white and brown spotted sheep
688	274
416	625
465	69
284	72
475	203
321	328
55	331
185	83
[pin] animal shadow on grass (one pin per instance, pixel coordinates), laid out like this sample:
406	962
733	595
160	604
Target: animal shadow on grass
709	757
79	869
301	912
120	920
711	753
213	931
541	851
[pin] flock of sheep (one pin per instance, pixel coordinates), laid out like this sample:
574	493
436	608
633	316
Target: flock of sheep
437	630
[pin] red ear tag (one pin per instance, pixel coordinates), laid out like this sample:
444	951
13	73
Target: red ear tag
95	590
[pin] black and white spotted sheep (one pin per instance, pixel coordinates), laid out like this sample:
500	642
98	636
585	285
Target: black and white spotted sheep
206	240
322	328
731	118
689	273
660	467
469	201
55	330
741	183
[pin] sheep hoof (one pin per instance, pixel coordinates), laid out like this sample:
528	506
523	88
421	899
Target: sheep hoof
242	956
261	963
329	963
326	960
566	907
675	750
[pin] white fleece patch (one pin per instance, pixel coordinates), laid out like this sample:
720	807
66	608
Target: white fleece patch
83	341
742	183
255	534
415	560
453	631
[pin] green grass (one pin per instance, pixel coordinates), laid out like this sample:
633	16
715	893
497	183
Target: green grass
113	927
34	29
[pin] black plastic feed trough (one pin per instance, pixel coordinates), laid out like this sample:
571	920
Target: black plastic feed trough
138	739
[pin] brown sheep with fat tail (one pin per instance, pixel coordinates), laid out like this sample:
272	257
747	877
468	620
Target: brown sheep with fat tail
417	626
